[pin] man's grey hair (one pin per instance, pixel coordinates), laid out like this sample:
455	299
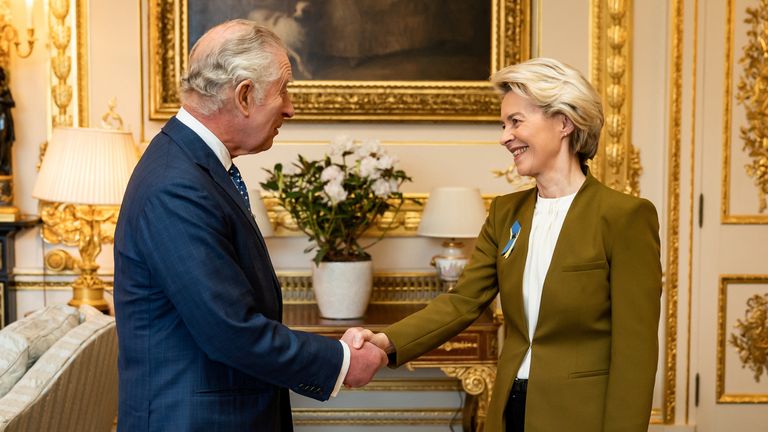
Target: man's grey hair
247	53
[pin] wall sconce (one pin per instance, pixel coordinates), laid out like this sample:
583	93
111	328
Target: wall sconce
9	35
452	213
81	184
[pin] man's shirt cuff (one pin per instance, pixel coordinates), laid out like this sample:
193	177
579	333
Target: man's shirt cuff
343	371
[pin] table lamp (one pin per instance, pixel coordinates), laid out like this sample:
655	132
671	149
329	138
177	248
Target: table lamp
452	213
83	176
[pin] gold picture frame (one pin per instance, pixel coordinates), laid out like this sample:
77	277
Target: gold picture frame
316	100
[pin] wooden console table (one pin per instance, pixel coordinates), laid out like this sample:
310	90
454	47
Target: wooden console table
471	356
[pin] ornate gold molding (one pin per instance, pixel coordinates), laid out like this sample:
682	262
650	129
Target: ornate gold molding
477	381
61	62
751	336
753	95
404	224
375	416
750	69
755	319
673	210
349	100
81	25
617	162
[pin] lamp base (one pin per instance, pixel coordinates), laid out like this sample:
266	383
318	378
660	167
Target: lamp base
89	289
450	263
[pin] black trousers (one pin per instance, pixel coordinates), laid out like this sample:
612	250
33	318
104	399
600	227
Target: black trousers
514	413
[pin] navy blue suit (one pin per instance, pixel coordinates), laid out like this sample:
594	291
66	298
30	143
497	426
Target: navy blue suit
198	305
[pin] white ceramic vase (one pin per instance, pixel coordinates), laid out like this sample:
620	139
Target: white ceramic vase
342	289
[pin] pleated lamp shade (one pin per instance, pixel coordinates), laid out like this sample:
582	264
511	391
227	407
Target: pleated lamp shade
453	212
86	166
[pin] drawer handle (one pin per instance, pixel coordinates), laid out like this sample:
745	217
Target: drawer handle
449	346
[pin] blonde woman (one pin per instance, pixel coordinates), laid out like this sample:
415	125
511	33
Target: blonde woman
576	264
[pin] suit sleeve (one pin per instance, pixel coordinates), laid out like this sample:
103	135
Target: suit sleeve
450	313
635	284
190	255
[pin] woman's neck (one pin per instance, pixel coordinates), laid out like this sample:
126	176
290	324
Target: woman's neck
561	182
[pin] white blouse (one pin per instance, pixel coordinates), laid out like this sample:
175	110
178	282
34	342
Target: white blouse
548	217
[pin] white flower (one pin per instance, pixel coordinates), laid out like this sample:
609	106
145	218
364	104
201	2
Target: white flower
335	193
393	187
368	147
290	169
341	144
333	174
368	168
385	162
381	188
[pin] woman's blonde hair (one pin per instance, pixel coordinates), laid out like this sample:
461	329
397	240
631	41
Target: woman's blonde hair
557	88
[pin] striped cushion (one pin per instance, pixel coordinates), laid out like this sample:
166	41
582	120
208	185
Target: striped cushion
14	352
44	327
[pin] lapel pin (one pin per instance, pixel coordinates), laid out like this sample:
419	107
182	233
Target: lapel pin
514	231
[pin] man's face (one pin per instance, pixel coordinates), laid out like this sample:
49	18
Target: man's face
266	117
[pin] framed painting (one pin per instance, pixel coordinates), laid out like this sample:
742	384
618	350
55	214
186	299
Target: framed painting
369	60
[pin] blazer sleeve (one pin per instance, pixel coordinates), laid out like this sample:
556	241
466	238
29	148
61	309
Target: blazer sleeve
450	313
193	259
635	288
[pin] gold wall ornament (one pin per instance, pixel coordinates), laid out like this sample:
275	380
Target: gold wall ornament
61	62
86	227
752	93
450	346
751	337
349	100
111	119
725	212
404	224
514	179
9	37
617	162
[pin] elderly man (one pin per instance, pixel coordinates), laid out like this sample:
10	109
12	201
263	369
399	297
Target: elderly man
197	301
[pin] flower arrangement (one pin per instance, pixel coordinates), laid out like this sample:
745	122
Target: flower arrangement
334	200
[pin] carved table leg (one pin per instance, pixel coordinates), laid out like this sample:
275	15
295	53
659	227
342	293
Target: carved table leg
478	382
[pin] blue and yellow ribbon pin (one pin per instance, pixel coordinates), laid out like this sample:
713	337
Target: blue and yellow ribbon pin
514	230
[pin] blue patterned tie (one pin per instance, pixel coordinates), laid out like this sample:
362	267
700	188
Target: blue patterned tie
237	179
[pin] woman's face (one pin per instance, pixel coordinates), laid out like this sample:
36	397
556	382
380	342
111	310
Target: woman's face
537	142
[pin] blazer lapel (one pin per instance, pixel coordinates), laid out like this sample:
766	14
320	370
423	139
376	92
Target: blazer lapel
202	155
516	260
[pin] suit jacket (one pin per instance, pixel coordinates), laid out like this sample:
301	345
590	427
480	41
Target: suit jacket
198	305
595	346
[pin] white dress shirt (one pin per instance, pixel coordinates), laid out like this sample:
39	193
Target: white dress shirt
223	155
548	217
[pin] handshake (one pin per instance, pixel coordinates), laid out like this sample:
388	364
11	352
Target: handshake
368	354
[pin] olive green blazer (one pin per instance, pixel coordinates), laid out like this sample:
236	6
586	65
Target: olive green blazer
595	347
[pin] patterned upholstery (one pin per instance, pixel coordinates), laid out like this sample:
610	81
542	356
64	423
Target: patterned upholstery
72	387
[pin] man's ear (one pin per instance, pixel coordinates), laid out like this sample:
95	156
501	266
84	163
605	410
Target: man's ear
244	96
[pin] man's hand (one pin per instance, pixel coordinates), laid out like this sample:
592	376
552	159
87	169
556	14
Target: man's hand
356	336
364	362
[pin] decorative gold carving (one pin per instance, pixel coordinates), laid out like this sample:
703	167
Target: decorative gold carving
450	346
752	93
9	37
111	119
86	227
515	180
725	215
61	62
59	260
349	100
752	338
673	211
477	381
81	20
617	162
404	224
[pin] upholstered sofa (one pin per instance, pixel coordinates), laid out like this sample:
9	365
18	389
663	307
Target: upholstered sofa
59	369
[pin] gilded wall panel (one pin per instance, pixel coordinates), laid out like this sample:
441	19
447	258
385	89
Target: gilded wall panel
742	339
